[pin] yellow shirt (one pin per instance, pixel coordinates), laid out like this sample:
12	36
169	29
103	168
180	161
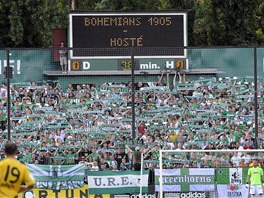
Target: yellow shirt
251	164
12	174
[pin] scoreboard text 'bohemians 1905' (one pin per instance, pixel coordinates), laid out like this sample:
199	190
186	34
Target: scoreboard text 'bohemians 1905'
126	30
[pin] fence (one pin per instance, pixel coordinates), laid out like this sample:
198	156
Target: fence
130	91
164	98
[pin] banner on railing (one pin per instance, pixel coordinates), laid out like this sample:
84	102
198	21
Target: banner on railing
58	177
115	182
231	182
72	193
185	179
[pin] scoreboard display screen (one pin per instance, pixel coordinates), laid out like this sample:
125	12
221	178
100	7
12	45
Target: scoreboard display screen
120	32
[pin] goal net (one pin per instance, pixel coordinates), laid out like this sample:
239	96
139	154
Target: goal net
204	173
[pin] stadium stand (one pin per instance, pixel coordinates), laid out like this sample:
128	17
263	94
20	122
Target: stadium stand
92	125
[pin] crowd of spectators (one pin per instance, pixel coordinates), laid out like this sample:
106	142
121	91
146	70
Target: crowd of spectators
93	125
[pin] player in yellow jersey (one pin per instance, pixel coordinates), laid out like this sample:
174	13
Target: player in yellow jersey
255	178
14	176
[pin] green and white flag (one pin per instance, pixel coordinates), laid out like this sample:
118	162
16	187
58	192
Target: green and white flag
231	182
185	179
58	177
117	182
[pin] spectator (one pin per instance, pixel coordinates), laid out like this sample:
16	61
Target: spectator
124	165
136	157
63	58
247	145
235	160
95	166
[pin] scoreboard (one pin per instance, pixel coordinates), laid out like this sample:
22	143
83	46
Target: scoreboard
102	35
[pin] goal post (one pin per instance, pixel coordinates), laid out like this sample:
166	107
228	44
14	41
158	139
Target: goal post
204	173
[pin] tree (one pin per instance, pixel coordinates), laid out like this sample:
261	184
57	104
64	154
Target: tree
236	20
260	24
50	15
29	23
